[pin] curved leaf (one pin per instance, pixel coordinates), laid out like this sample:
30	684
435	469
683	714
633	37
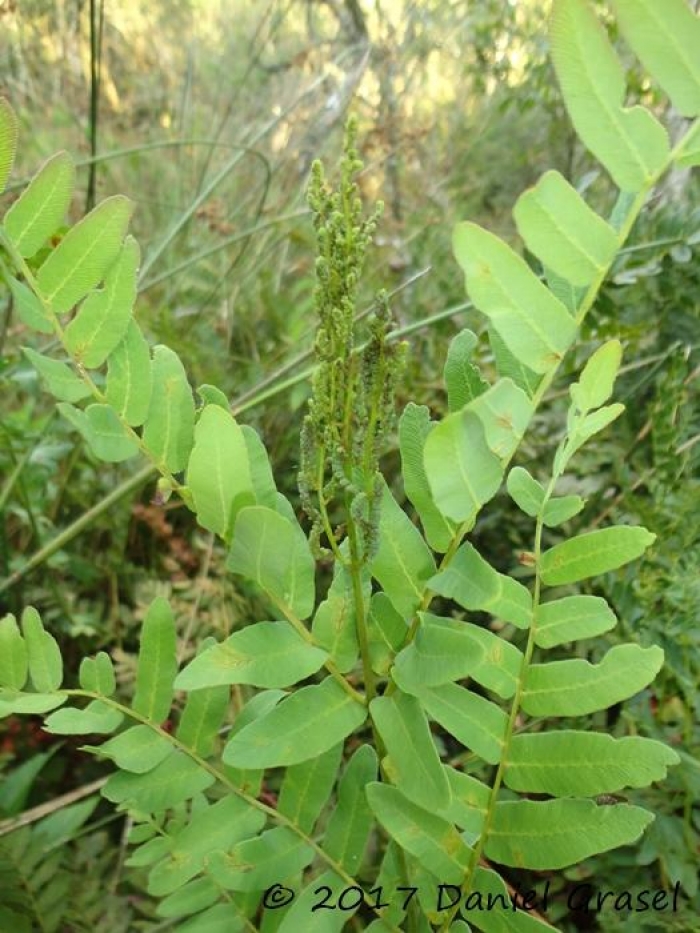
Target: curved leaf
474	721
273	551
129	377
630	142
554	834
102	429
104	316
474	584
568	763
534	325
403	561
430	839
157	662
218	472
266	654
14	661
572	618
177	778
666	39
97	717
413	760
84	255
414	428
8	141
563	232
41	207
463	473
137	750
169	428
43	653
463	380
593	553
60	379
577	687
302	726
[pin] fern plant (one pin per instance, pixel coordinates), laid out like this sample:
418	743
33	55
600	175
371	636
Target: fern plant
344	684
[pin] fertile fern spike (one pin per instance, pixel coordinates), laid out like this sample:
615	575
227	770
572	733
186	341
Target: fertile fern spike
372	655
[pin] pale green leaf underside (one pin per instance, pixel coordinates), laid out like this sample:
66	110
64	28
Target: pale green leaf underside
14	702
211	828
463	380
43	653
218	473
104	316
202	718
595	384
569	764
139	749
593	553
430	839
470	801
307	786
501	918
666	38
102	429
14	663
8	141
438	654
403	562
177	778
572	618
272	550
462	471
505	412
302	726
97	717
525	491
41	207
266	654
82	258
446	650
157	662
28	307
415	766
474	584
97	674
255	864
129	377
474	721
630	142
560	509
60	379
577	687
563	232
334	626
533	324
350	823
554	834
414	428
169	429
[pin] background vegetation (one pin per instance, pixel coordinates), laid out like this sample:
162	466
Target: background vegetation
208	114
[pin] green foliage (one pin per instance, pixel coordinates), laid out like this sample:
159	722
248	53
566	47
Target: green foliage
382	665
